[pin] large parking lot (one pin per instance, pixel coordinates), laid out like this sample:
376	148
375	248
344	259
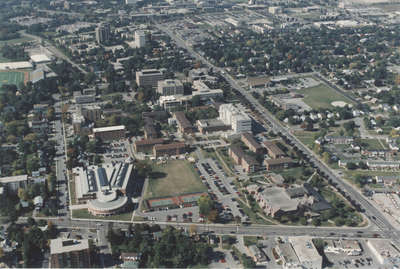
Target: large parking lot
221	189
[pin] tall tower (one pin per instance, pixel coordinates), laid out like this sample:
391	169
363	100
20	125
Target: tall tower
140	39
102	33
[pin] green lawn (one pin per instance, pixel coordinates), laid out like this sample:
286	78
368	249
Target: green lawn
173	178
306	137
322	96
84	214
372	144
11	78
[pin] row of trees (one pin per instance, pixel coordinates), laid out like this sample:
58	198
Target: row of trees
173	249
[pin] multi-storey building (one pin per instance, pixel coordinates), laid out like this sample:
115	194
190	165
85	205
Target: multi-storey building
231	115
170	87
69	253
103	33
149	77
140	39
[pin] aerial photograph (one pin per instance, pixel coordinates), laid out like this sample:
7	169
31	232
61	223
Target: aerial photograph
200	134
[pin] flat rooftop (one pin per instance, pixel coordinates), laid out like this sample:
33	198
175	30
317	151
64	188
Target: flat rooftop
62	245
12	179
109	129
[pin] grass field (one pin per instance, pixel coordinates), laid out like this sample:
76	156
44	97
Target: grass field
172	179
306	137
84	214
322	96
11	78
372	144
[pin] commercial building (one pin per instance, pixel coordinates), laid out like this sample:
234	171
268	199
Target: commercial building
78	122
69	253
273	150
279	163
204	92
349	247
129	259
256	254
105	189
171	149
84	98
211	125
13	183
239	121
384	252
184	125
149	77
110	133
103	33
91	112
140	39
170	87
306	252
172	102
147	144
251	143
288	256
107	177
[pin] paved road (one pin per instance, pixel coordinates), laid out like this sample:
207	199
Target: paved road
375	216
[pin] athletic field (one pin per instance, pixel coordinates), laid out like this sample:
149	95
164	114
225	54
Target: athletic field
13	77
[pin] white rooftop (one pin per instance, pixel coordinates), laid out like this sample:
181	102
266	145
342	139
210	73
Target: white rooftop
40	58
15	65
12	179
109	129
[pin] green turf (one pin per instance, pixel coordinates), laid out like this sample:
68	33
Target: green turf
84	214
11	78
322	96
372	144
175	178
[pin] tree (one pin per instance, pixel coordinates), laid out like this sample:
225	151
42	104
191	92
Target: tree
206	205
248	262
351	166
326	157
316	222
23	194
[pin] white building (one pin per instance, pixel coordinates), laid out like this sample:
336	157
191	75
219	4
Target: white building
204	92
349	247
140	39
306	252
231	115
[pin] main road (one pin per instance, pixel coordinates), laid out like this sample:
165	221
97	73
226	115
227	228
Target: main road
375	216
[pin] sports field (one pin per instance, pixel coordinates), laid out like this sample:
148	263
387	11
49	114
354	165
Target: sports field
322	96
173	178
12	77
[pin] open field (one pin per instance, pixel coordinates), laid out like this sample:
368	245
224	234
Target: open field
322	96
372	144
11	77
306	137
84	214
173	178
